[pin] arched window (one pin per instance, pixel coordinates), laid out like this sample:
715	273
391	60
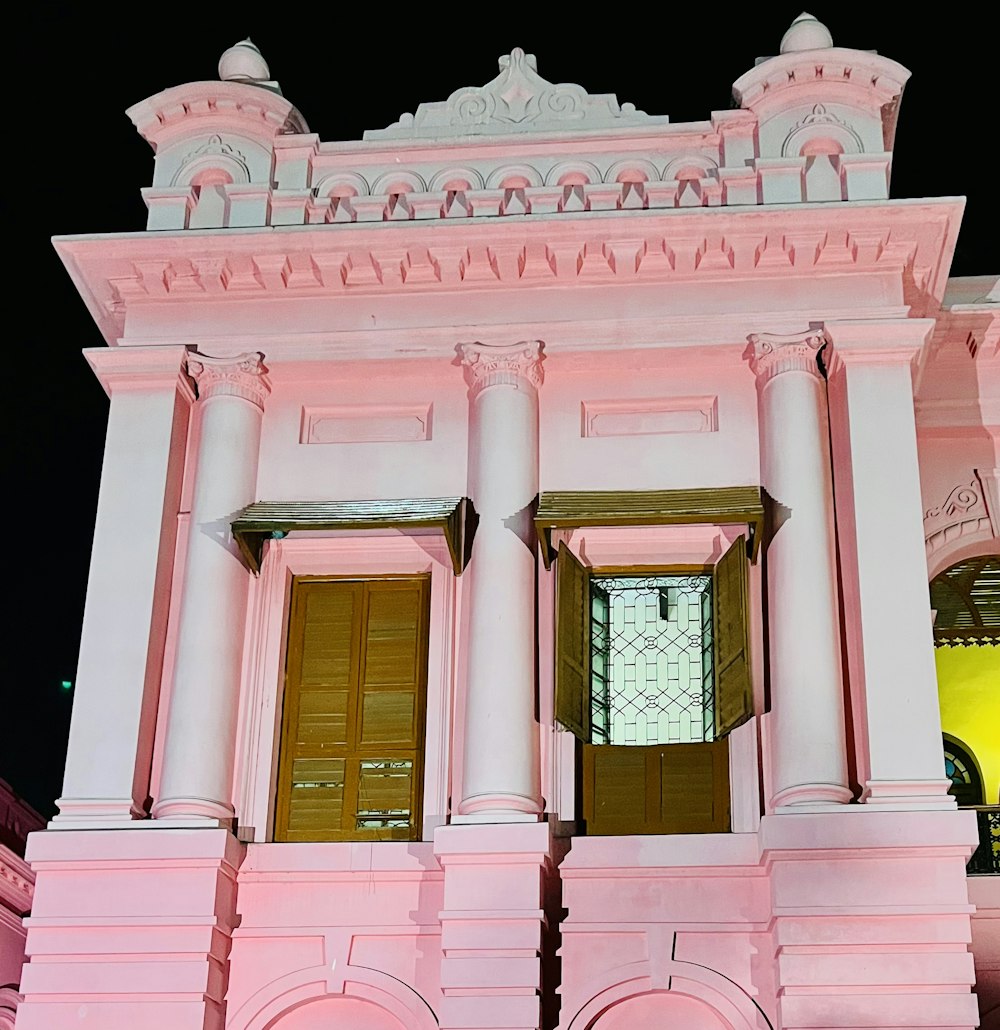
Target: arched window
961	768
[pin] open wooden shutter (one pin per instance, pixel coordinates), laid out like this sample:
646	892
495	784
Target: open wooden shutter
663	788
572	687
351	760
733	686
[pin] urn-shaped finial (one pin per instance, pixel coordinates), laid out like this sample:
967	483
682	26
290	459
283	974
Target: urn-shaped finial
806	33
243	63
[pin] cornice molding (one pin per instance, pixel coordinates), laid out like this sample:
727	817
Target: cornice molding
771	354
17	882
912	241
861	72
140	368
874	341
240	376
518	365
259	113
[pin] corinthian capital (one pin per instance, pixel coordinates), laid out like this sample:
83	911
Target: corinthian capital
771	353
238	376
518	365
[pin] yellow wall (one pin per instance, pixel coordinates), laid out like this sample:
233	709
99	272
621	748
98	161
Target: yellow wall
969	691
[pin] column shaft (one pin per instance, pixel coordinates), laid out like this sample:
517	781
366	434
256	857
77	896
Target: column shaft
808	754
201	727
124	623
887	606
500	771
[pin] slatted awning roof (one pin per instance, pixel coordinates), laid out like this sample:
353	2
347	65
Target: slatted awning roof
571	509
966	598
264	520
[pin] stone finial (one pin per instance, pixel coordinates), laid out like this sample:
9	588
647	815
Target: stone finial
806	33
243	63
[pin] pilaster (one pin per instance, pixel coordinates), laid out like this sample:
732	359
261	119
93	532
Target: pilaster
883	562
124	625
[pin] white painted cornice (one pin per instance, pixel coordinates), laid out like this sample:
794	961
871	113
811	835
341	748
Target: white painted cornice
211	106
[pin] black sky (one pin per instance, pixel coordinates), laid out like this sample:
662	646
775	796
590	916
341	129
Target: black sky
79	166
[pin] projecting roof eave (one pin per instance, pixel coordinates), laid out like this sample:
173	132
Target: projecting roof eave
914	239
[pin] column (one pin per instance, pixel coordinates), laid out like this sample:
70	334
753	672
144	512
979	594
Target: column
500	773
124	624
808	742
201	725
884	564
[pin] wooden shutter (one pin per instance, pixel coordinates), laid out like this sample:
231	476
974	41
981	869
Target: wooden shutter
664	788
353	719
733	686
572	687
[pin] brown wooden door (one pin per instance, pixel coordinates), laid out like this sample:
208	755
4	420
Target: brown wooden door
351	761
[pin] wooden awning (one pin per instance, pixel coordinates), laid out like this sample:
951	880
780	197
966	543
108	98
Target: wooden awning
571	509
264	520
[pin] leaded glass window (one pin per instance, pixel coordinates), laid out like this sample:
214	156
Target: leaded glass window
651	660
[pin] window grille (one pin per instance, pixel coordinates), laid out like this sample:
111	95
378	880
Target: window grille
651	660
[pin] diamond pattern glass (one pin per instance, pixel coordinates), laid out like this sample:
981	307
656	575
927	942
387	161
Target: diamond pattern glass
651	659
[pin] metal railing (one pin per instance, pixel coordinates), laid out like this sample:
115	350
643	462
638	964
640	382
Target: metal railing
986	858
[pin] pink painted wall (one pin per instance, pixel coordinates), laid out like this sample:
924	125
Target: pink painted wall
386	324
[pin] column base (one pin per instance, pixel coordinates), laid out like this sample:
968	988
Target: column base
824	795
909	795
197	808
95	813
499	808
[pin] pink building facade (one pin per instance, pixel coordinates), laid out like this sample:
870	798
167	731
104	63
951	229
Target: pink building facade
17	881
629	450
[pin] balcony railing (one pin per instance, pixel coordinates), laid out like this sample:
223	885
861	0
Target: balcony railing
986	858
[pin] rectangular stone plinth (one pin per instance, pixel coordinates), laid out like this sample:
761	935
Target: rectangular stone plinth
130	929
493	924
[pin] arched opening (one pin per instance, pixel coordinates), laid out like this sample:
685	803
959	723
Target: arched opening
329	1013
659	1009
961	767
966	602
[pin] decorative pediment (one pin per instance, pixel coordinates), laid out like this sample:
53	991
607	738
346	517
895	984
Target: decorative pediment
517	100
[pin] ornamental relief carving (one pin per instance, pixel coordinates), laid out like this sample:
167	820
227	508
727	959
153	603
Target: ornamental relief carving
241	376
771	354
517	100
214	153
969	509
518	365
821	123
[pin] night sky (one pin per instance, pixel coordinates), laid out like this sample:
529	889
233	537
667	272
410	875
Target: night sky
75	165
